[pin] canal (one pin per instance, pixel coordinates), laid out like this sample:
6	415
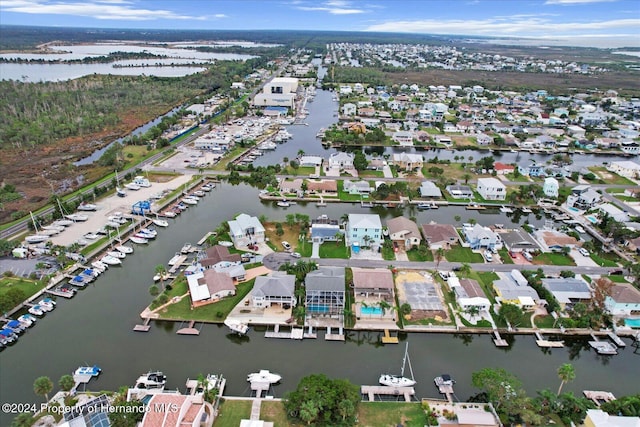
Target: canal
95	327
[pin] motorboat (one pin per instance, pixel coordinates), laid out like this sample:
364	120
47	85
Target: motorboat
36	310
174	259
181	206
264	376
99	265
120	192
399	380
237	326
92	371
66	289
506	209
8	335
132	186
62	222
90	273
190	201
27	319
82	242
77	217
79	281
162	277
113	224
444	380
36	238
117	254
145	236
208	187
124	249
47	304
579	229
199	193
169	214
186	248
15	326
149	231
87	207
91	236
160	222
283	204
151	380
52	227
107	259
424	206
139	240
141	181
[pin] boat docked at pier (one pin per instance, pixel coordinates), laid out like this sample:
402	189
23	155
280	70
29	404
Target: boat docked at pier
139	240
264	376
237	326
124	249
27	319
160	222
283	203
36	310
399	380
109	260
150	380
92	371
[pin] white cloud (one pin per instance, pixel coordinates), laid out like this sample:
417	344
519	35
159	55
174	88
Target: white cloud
523	26
99	9
570	2
334	7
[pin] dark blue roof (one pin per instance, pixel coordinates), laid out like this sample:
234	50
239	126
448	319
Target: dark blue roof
13	323
6	332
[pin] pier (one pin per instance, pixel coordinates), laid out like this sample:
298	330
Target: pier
143	327
543	343
58	293
371	391
189	330
603	347
445	386
616	339
388	339
329	336
259	388
598	397
293	334
498	340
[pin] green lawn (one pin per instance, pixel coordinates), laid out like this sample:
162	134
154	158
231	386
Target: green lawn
371	174
274	411
414	255
304	247
231	412
610	177
342	195
505	257
486	279
331	250
552	258
27	286
302	170
388	254
229	157
459	254
391	414
215	312
544	322
603	259
617	278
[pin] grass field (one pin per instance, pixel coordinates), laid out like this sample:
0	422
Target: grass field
414	255
331	250
504	256
232	412
27	286
459	254
610	177
274	411
604	260
552	258
391	414
617	278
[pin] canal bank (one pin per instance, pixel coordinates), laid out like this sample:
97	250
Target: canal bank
95	327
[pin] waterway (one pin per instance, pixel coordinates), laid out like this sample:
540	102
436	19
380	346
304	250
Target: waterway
95	327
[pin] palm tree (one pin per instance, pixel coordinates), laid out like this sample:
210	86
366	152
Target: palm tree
366	240
439	256
566	373
161	270
465	269
42	386
338	236
66	383
466	177
24	419
301	153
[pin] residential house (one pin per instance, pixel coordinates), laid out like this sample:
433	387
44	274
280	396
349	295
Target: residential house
623	300
460	191
367	112
468	293
291	186
630	147
364	230
373	282
531	170
625	168
614	212
491	189
280	92
325	229
503	168
246	230
349	109
323	186
209	286
469	414
568	291
276	288
404	232
551	187
483	139
513	288
479	237
519	240
174	410
325	291
404	138
341	160
554	241
408	161
430	190
576	131
356	187
218	256
599	418
311	161
440	235
583	197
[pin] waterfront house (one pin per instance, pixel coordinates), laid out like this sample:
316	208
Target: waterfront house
323	186
404	138
551	187
440	235
341	160
246	230
491	189
310	161
468	293
364	230
460	191
518	240
599	418
513	288
218	256
623	300
483	139
404	232
479	237
625	168
568	291
323	230
276	288
554	241
209	286
175	410
630	147
408	161
583	197
531	170
291	186
429	190
356	187
376	283
279	92
325	291
614	212
349	109
503	168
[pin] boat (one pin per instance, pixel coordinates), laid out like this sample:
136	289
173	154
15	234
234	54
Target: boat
475	206
145	236
8	335
190	201
141	181
110	260
124	249
151	380
92	371
79	280
36	238
424	206
117	254
506	209
199	193
208	186
149	231
36	310
120	192
132	186
237	326
444	379
27	320
139	240
62	222
57	228
579	229
77	217
169	214
66	290
526	210
225	243
160	222
399	380
99	265
174	259
91	236
16	326
264	376
87	207
47	304
283	204
186	248
163	277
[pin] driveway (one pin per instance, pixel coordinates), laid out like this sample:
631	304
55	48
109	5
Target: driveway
581	260
275	260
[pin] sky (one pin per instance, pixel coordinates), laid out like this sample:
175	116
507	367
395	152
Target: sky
601	23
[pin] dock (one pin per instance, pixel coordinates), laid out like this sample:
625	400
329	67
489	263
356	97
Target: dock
80	380
543	343
371	391
179	262
293	334
205	237
445	387
260	387
498	340
388	339
59	294
603	347
598	397
330	336
189	330
143	327
616	339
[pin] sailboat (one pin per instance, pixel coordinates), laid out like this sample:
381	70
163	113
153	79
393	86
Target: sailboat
399	380
38	237
119	191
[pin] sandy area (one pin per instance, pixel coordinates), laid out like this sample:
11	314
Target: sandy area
109	205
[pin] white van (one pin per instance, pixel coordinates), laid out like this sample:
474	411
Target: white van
527	256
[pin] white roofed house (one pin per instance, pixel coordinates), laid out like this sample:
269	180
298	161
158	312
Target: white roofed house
568	291
491	189
460	191
356	187
551	187
625	168
484	139
404	138
364	230
276	288
429	189
209	286
404	232
349	109
408	161
479	237
246	230
341	160
280	92
583	197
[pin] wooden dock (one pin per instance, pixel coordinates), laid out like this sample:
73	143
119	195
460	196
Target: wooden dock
388	339
371	391
498	340
179	262
205	237
293	334
143	327
445	388
329	336
598	397
603	347
189	330
543	343
260	387
616	339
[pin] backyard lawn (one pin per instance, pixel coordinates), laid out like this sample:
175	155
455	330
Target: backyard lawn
552	258
232	412
603	259
610	177
391	414
459	254
274	411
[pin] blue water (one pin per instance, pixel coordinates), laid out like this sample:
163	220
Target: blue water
574	209
371	310
592	218
632	323
315	308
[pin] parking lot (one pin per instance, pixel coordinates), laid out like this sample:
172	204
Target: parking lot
24	267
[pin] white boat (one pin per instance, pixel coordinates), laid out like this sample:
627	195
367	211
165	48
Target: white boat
117	254
113	224
580	230
99	265
132	186
36	238
149	231
190	201
208	187
62	222
186	248
237	326
36	310
57	228
264	376
77	217
143	235
141	181
159	277
267	146
91	236
47	303
124	249
160	222
27	320
139	240
92	371
151	380
506	209
225	243
169	214
283	204
424	206
199	193
399	380
107	259
87	207
174	259
120	192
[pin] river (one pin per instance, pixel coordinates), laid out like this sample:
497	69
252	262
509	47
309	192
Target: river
95	327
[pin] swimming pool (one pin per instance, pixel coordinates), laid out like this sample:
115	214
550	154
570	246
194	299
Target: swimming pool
317	308
632	323
371	310
592	219
574	209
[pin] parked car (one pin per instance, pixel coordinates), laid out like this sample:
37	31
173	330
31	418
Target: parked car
527	256
286	246
295	254
488	256
583	252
